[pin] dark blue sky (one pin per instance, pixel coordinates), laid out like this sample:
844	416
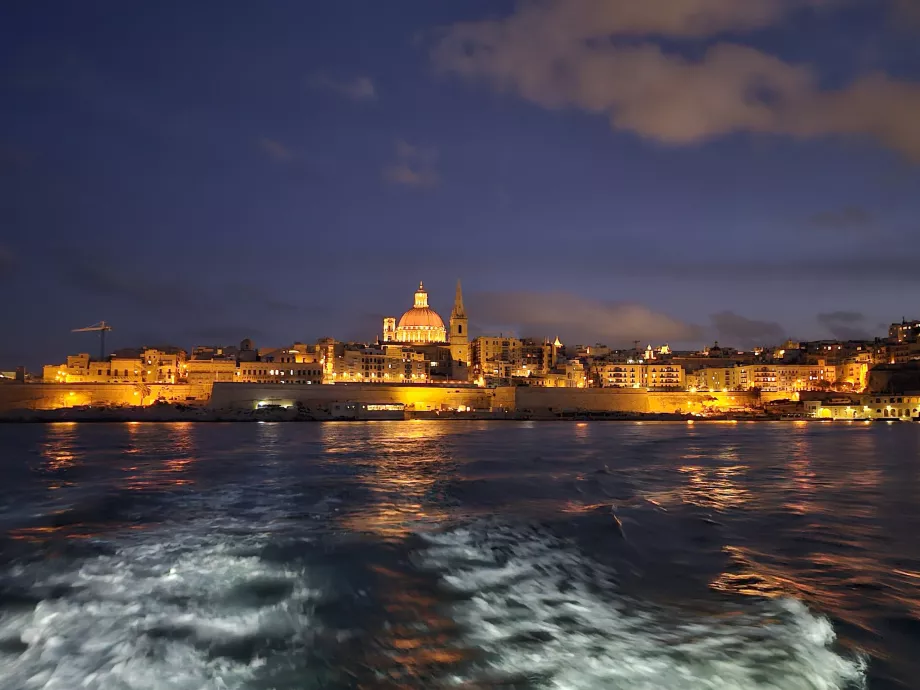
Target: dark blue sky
199	172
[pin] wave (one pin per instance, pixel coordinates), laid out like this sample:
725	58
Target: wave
545	615
192	611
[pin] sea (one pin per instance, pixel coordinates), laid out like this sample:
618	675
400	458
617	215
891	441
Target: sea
452	554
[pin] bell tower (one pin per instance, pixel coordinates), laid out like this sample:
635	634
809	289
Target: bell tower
459	339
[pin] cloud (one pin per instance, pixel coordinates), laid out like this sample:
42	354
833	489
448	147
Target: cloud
414	166
354	88
101	279
275	150
905	13
848	218
845	325
896	267
225	334
405	174
559	54
576	318
741	331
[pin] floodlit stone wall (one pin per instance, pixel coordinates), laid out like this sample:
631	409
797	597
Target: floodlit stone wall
555	400
537	401
50	396
414	397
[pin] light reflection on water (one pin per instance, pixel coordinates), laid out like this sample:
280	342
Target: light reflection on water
401	465
58	452
825	515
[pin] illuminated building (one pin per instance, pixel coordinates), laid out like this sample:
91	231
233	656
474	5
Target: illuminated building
419	325
215	351
163	367
275	372
486	351
459	339
81	369
904	332
298	353
499	358
207	371
422	330
389	363
772	378
875	406
631	375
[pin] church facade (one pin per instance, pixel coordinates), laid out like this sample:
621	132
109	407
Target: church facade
422	328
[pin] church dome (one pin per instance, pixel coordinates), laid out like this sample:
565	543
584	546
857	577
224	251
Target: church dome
421	324
421	317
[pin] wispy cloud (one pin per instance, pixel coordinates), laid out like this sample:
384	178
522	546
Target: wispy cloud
845	325
576	318
275	150
223	334
353	88
101	278
740	331
558	53
415	166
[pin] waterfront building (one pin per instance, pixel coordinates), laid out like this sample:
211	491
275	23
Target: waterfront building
487	350
163	366
904	332
869	406
207	371
661	375
81	369
767	377
298	353
387	363
276	372
216	351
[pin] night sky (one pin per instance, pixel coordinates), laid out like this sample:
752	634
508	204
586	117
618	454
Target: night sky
668	171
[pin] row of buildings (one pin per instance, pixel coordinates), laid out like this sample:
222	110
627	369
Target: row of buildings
418	348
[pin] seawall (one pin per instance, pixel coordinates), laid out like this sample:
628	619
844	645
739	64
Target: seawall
50	396
416	397
525	400
521	399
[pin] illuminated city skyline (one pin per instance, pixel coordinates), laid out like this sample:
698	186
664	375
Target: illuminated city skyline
192	189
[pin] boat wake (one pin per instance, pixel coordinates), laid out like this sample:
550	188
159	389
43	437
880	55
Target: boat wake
546	616
189	611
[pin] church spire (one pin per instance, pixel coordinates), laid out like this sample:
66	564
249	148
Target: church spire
458	312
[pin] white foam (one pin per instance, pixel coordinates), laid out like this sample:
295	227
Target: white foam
149	617
542	610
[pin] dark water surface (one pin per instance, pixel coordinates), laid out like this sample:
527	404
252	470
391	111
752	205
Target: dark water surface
470	555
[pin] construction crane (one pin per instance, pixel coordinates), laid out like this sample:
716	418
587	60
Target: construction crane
101	327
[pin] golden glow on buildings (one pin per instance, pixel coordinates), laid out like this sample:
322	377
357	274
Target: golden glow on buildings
419	325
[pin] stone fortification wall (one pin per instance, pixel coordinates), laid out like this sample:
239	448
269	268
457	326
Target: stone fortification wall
38	396
249	396
555	400
50	396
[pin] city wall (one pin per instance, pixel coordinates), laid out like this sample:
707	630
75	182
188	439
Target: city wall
50	396
249	396
514	399
538	401
555	400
